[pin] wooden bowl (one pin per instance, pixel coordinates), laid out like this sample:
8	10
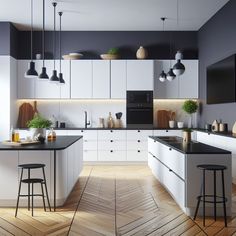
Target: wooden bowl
74	56
109	56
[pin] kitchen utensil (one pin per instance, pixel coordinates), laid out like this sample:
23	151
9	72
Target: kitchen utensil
118	115
162	119
101	123
35	109
26	113
109	56
208	127
110	121
223	127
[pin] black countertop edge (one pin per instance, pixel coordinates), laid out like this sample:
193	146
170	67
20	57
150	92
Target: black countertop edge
193	147
61	143
125	128
228	134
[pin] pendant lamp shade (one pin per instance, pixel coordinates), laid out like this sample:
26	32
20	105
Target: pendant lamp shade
178	68
170	75
31	72
43	76
162	76
54	78
62	81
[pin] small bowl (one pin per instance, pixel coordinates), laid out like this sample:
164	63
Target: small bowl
72	56
180	124
109	56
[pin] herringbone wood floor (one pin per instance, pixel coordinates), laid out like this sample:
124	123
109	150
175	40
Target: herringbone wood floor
114	200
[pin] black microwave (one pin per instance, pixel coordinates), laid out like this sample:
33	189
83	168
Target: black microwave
139	98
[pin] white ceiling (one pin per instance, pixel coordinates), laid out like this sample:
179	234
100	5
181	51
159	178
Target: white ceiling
113	14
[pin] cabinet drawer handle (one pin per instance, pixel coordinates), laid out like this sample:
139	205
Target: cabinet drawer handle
139	131
82	131
111	131
111	151
111	141
170	170
138	141
138	150
154	141
170	149
85	140
167	130
208	133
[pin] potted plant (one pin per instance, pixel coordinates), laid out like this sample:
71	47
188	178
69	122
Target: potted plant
190	107
113	53
187	135
38	126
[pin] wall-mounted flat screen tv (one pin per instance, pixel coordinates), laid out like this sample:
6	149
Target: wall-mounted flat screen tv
221	84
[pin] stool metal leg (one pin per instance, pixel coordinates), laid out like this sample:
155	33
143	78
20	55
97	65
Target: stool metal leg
18	197
196	211
46	189
215	195
224	199
32	198
43	197
28	190
204	197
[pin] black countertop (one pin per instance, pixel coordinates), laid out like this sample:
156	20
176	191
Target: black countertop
62	142
192	148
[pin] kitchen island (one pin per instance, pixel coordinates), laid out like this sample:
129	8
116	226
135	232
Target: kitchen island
63	159
174	164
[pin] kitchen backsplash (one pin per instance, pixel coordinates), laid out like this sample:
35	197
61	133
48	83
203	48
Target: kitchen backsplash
72	112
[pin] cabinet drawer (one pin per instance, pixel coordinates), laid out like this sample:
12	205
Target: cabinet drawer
112	155
111	145
87	134
90	155
111	134
153	147
173	159
138	134
90	145
137	155
137	145
167	132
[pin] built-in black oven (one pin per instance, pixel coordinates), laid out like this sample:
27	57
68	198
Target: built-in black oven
139	109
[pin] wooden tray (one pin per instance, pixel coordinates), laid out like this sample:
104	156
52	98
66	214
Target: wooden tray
8	142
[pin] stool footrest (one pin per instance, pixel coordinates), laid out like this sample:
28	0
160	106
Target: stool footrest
30	195
224	199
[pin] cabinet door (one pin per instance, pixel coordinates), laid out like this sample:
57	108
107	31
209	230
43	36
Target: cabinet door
140	74
118	79
81	79
101	79
188	82
45	88
26	86
65	69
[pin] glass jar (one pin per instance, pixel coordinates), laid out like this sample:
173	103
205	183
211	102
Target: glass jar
52	135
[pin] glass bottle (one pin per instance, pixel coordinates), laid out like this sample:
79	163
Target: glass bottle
51	135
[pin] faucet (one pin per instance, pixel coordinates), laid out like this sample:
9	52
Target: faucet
86	120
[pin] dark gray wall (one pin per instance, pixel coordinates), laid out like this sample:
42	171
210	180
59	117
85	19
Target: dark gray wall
5	38
217	40
94	43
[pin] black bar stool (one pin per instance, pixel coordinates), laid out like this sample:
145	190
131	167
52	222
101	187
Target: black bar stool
32	181
216	199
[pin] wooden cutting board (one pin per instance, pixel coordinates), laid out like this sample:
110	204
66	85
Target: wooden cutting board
162	119
26	113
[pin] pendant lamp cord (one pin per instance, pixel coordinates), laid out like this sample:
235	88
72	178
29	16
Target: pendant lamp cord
43	35
31	33
170	49
60	14
54	34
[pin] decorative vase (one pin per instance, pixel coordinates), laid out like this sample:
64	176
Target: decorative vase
141	53
186	137
190	125
35	132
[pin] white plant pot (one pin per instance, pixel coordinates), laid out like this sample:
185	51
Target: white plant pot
34	132
172	124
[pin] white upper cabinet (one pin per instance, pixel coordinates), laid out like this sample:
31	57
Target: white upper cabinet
188	81
140	74
118	79
184	86
65	69
101	79
26	86
81	79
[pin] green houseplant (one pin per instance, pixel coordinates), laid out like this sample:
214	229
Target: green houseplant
38	126
190	107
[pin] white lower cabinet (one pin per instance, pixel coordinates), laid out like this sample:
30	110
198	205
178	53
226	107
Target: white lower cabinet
137	155
168	132
111	155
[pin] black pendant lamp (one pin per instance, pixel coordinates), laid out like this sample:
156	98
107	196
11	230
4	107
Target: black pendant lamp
31	72
62	81
178	68
170	75
43	76
162	76
54	78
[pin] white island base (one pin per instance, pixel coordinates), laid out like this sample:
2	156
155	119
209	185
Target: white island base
60	175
